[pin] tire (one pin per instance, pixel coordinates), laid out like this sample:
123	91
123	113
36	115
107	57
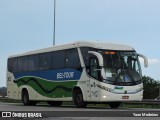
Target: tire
55	103
79	100
114	104
25	99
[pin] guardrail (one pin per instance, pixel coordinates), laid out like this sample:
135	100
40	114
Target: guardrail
144	102
1	97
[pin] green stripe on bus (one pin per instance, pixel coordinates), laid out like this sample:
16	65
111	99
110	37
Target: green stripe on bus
51	89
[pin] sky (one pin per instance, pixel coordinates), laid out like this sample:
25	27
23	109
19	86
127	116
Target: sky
27	25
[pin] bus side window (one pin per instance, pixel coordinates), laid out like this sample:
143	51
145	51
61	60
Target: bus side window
94	68
86	55
45	61
33	62
12	65
22	64
58	59
72	58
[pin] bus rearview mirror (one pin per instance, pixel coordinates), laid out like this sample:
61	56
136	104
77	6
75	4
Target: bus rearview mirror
99	56
145	60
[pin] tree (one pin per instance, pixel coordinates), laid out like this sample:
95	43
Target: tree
3	91
151	88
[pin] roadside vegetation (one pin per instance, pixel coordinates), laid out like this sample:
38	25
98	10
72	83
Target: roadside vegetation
151	88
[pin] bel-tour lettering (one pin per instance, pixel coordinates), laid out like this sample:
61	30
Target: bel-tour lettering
65	75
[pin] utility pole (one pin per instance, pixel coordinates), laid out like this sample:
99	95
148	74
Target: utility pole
54	23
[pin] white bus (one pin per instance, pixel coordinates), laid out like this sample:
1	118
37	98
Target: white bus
82	72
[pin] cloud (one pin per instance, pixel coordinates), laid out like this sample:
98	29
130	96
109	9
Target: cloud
151	61
154	61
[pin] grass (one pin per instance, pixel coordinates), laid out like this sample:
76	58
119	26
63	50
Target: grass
141	106
6	100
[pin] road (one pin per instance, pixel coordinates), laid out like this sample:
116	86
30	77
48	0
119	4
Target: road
71	112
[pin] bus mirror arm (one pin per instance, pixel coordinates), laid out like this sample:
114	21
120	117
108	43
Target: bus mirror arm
99	56
100	60
145	60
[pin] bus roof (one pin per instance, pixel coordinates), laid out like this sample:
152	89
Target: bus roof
98	45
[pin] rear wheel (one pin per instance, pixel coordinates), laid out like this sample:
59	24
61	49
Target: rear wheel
25	99
55	103
79	99
114	104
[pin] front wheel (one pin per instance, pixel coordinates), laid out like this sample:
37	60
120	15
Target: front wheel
114	104
79	100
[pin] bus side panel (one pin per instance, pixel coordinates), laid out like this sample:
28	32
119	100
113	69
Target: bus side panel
34	95
12	88
84	85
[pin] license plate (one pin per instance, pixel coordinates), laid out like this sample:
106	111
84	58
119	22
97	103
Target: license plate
125	97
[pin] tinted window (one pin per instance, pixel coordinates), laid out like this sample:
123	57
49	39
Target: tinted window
72	58
58	59
33	61
45	61
94	70
86	55
93	67
22	64
12	64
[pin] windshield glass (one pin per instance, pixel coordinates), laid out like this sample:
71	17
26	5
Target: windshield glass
122	68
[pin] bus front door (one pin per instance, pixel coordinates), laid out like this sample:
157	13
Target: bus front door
94	77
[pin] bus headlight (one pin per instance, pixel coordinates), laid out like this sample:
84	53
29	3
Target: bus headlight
104	96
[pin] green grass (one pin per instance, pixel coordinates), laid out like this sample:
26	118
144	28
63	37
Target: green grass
141	106
6	100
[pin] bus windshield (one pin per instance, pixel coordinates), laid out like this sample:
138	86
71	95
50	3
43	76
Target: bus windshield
122	68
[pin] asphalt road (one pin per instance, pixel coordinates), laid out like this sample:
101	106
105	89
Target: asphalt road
70	112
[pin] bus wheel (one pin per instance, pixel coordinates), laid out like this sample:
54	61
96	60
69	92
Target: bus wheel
79	100
55	103
114	104
25	98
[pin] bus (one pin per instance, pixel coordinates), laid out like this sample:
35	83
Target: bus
79	72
